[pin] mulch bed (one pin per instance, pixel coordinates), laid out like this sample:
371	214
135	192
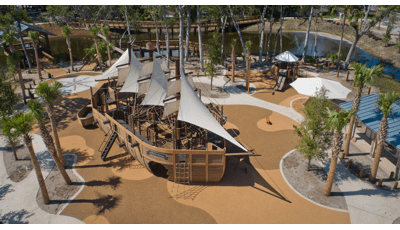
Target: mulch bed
311	183
20	169
59	191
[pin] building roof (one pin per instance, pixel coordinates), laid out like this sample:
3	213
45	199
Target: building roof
371	116
25	26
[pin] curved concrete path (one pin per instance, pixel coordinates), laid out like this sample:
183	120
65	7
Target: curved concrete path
18	200
366	203
239	97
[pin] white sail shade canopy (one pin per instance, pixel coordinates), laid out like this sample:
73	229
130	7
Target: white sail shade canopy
135	72
309	86
158	86
286	56
113	71
192	110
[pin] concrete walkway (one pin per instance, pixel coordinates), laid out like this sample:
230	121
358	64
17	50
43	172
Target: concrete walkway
240	97
366	203
18	200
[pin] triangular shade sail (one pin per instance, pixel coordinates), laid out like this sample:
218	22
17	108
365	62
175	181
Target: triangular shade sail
158	86
286	56
135	70
113	71
192	110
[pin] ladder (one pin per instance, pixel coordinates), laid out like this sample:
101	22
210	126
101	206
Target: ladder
110	141
181	177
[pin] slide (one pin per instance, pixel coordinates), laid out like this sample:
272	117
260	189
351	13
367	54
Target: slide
280	83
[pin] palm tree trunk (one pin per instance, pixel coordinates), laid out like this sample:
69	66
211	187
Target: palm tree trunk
307	35
382	133
167	34
98	53
50	113
157	42
38	171
187	34
200	39
355	106
14	150
341	38
37	60
262	36
348	136
108	51
332	168
70	53
48	140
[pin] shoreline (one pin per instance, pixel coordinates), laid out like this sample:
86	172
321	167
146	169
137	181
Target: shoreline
362	43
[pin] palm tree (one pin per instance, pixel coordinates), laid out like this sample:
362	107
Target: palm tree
338	121
94	31
50	94
10	37
22	123
38	111
384	103
11	136
34	36
363	76
66	31
106	32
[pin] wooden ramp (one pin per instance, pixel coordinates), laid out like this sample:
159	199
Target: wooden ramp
51	68
280	83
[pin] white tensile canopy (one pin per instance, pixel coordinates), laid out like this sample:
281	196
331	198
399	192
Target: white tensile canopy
113	70
192	110
158	86
135	72
309	86
286	56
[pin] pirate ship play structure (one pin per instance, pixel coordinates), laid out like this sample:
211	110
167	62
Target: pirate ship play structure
160	119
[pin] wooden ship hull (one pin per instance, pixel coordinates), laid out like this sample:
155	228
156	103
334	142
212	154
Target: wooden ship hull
206	165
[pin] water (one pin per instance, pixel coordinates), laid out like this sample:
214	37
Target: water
292	41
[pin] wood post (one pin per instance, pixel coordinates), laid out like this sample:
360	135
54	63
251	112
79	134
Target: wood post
233	61
380	182
369	90
248	74
347	78
338	71
177	70
329	65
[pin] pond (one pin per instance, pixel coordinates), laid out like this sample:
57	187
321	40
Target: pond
293	41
